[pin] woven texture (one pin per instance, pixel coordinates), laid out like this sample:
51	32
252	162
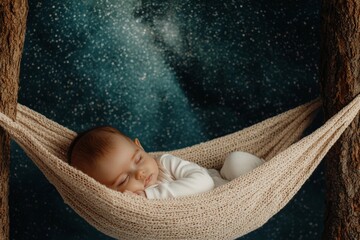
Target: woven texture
227	212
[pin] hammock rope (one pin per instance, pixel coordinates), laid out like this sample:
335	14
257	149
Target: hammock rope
229	211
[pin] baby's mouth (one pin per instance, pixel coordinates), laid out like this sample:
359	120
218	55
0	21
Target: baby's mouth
147	180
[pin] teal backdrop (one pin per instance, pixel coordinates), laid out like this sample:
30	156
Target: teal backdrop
172	73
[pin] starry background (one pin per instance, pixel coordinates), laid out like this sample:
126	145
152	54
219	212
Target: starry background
172	73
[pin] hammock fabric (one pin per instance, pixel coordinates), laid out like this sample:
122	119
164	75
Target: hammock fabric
227	212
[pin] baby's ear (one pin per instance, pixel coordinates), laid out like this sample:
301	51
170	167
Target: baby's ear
137	142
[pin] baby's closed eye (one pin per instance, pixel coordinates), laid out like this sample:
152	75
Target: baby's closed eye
139	159
123	180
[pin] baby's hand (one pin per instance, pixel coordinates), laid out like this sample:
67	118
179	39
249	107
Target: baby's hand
140	193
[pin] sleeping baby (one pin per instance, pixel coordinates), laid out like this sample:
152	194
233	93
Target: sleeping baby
113	159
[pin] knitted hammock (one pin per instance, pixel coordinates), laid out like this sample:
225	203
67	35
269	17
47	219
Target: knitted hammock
226	212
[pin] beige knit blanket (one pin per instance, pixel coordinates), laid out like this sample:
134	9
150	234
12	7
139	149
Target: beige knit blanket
227	212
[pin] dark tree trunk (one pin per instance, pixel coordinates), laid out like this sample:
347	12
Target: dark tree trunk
340	83
13	15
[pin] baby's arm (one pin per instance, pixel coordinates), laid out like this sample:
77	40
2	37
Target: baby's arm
190	179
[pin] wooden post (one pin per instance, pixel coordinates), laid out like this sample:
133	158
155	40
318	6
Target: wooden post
340	83
13	15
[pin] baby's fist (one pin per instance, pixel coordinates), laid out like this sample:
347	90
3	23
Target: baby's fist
140	193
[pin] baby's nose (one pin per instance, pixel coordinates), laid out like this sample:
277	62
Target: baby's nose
140	174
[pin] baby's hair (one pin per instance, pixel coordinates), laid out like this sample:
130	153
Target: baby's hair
92	143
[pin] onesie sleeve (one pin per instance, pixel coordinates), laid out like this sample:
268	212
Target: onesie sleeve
190	179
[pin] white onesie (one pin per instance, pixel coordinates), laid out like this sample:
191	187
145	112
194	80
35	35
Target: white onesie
183	178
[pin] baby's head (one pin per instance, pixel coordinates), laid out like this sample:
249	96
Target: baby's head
113	159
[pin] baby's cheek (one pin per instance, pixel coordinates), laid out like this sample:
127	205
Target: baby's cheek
135	185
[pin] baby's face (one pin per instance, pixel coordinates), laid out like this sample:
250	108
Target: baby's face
126	166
